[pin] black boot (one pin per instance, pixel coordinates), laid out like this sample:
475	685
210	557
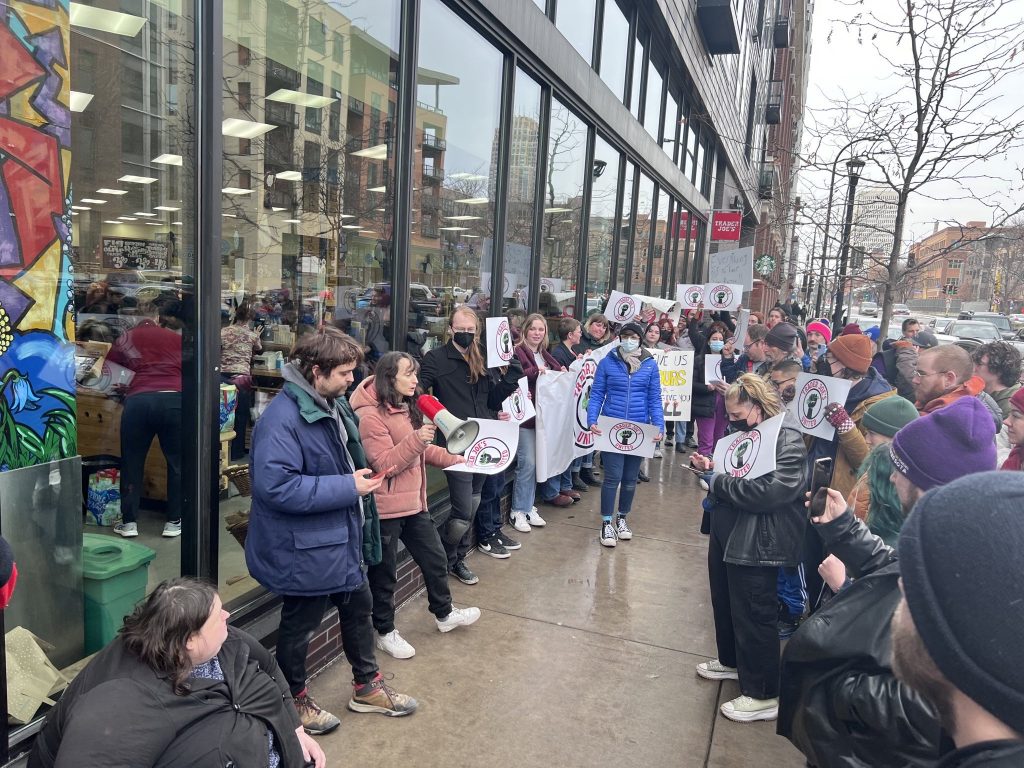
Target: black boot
578	484
642	477
587	476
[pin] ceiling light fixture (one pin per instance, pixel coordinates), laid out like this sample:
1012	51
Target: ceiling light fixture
300	99
166	159
376	152
165	208
288	176
78	101
236	191
473	200
103	20
129	179
107	191
93	200
244	129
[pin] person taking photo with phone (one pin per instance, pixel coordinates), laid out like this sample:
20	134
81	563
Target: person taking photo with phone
399	445
756	527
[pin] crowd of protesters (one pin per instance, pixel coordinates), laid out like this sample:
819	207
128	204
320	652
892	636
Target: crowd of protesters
875	621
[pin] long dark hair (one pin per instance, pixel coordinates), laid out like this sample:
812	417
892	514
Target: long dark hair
384	376
159	628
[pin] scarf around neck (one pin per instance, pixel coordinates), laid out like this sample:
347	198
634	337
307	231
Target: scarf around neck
631	359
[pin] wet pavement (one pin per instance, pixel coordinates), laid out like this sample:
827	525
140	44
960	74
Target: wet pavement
583	655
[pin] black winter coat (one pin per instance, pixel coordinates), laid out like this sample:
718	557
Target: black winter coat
119	713
839	702
445	371
769	510
587	344
988	754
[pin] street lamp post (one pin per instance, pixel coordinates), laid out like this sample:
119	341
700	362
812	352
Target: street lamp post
853	166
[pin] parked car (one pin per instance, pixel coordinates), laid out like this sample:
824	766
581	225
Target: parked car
900	309
1000	321
869	308
974	329
1017	319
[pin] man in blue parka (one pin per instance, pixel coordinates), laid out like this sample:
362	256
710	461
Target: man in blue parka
306	524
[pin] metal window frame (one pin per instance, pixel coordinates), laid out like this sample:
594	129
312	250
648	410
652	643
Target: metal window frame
620	184
401	237
627	275
505	109
583	255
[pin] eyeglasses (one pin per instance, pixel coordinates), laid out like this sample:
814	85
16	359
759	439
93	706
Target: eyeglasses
780	384
925	374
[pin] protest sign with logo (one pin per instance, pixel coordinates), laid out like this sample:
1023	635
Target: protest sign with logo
621	307
676	369
712	368
499	342
493	450
627	437
749	454
813	395
654	309
719	296
519	405
689	296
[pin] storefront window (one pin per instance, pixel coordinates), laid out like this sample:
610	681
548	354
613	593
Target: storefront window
524	134
627	224
658	255
614	48
575	20
639	51
307	205
567	151
97	313
455	173
653	100
673	120
601	229
642	235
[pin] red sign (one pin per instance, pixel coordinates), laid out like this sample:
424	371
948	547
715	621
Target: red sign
726	225
679	221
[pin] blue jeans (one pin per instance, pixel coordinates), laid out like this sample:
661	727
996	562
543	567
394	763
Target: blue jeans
488	515
555	485
524	488
618	469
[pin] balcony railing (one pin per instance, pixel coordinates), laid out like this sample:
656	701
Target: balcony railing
718	25
429	230
355	106
773	107
432	173
767	182
430	141
782	31
430	107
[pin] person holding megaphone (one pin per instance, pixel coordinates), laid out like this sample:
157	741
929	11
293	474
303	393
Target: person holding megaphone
458	376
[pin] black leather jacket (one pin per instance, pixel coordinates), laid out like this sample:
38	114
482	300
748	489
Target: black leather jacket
839	702
991	754
770	514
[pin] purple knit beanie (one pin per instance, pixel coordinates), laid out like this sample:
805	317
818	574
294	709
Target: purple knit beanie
946	444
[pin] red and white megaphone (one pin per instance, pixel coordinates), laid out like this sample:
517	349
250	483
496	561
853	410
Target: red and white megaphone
458	434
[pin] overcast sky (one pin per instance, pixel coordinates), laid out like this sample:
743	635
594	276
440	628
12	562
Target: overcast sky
841	64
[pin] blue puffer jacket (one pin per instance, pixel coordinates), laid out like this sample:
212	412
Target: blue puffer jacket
305	528
620	395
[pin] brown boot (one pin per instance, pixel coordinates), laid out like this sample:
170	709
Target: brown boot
316	721
377	696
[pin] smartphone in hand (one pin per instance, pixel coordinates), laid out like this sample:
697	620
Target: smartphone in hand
382	473
820	480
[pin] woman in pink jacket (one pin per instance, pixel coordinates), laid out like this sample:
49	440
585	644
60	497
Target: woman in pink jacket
398	441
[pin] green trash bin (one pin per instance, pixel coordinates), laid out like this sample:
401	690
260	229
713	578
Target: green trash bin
115	573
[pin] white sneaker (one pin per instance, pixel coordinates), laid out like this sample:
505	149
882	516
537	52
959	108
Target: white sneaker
393	644
172	529
622	530
608	535
535	519
716	670
744	709
519	522
459	617
128	530
704	485
657	453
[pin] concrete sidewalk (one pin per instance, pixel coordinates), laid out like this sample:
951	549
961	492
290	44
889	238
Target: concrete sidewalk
584	656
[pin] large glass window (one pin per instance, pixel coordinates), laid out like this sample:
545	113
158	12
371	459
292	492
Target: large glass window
626	226
575	20
653	99
308	200
456	174
673	122
614	48
660	252
639	51
601	229
97	312
642	235
563	199
524	135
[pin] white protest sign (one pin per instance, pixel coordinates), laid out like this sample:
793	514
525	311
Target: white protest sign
551	284
736	267
749	454
813	394
689	296
519	405
508	284
627	437
742	326
719	296
499	342
493	450
712	368
676	368
621	307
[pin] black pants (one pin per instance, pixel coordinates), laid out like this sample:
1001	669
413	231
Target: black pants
464	489
488	514
145	416
301	617
745	605
424	544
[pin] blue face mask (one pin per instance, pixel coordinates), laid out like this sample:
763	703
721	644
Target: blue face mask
629	345
717	346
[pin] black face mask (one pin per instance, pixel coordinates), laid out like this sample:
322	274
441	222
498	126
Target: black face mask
739	425
463	338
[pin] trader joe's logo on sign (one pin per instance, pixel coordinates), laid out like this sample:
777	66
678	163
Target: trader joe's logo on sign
720	296
811	403
742	452
503	341
623	309
518	407
581	393
489	452
627	437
